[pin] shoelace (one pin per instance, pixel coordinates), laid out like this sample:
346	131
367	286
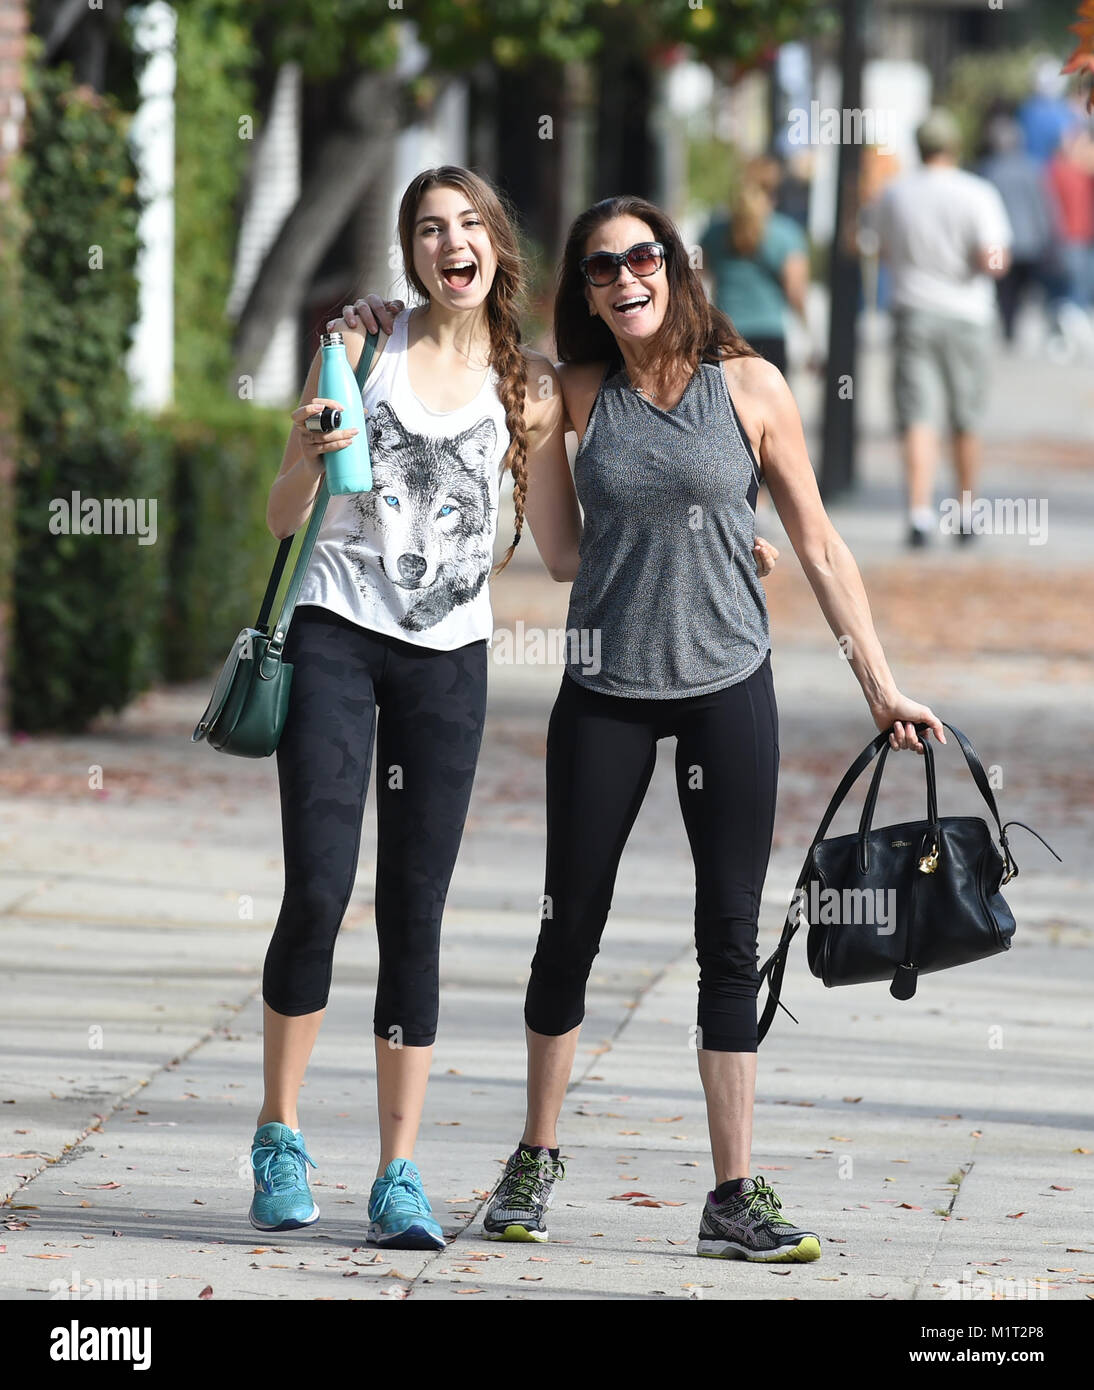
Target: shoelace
767	1201
265	1157
404	1193
526	1180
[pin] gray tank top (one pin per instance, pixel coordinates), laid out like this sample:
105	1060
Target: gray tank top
667	602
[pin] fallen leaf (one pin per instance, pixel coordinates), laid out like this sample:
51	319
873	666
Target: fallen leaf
686	1163
976	1134
1057	1188
1014	1215
908	1206
630	1131
469	1290
852	1100
1080	1151
1061	1269
946	1117
47	1257
626	1196
102	1186
446	1122
207	1291
452	1071
645	1204
840	1138
197	1202
783	1272
667	1119
531	1278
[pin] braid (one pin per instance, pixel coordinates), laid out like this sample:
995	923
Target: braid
512	369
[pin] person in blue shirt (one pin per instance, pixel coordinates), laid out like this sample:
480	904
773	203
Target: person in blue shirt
756	264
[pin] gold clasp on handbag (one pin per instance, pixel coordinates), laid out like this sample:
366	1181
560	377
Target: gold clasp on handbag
929	863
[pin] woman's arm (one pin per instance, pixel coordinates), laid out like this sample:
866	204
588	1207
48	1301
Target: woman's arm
294	490
550	505
828	563
794	277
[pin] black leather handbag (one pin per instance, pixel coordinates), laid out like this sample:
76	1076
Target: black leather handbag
247	709
904	900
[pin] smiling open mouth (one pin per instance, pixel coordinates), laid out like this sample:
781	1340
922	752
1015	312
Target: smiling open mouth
459	274
632	305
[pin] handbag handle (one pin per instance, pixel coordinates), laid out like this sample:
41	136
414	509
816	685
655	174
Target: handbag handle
867	817
277	642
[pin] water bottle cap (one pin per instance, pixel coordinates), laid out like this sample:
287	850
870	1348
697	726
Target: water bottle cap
331	340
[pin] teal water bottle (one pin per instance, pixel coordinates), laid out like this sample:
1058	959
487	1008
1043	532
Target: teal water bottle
348	469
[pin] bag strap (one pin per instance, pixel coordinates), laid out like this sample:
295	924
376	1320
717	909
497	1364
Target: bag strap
775	964
361	373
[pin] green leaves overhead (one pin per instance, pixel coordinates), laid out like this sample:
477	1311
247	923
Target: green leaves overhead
329	37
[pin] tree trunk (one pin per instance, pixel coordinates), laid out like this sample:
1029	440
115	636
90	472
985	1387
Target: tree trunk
339	171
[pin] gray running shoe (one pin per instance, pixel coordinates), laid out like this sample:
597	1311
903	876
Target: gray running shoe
749	1227
518	1205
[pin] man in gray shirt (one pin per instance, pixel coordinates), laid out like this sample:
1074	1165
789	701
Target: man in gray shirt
945	235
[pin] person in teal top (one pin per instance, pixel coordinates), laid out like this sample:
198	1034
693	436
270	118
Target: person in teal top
756	264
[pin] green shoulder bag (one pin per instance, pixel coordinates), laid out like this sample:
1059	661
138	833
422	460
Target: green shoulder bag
250	700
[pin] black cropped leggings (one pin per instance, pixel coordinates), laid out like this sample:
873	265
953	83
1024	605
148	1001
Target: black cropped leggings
601	751
432	706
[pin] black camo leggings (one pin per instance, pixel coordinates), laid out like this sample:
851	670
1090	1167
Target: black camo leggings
601	751
432	706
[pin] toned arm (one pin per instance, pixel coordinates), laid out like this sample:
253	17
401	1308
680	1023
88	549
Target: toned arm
828	563
550	505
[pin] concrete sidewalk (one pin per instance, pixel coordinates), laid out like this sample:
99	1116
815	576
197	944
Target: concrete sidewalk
938	1146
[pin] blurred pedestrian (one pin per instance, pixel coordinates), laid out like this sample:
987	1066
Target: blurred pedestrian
1070	176
1018	178
945	234
756	262
1046	116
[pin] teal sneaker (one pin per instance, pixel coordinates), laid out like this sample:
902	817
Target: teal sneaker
282	1200
399	1214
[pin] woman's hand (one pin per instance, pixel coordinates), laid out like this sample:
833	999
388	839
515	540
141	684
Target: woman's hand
766	555
313	444
901	715
371	313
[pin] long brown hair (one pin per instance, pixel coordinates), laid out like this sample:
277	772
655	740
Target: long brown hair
502	305
752	205
692	331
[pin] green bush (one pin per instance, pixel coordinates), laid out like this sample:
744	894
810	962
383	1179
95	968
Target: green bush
221	549
87	607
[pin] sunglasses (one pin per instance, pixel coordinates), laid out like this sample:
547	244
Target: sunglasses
602	267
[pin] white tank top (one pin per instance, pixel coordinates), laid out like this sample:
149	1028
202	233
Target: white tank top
412	557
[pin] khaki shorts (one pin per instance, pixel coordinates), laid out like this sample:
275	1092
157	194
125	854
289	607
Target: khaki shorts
939	360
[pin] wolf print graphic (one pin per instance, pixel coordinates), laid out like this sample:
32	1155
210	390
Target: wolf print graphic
427	525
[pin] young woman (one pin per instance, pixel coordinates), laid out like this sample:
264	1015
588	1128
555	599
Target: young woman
395	615
679	422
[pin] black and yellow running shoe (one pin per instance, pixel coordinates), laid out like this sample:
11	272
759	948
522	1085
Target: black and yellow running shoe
748	1227
518	1205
